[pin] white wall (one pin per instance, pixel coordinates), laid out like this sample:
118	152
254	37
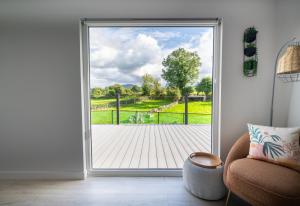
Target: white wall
40	121
287	95
294	110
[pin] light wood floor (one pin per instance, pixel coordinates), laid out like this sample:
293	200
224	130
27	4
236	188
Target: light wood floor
101	191
147	146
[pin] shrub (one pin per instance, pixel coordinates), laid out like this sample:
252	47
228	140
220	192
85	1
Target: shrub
205	86
173	93
97	92
140	118
118	88
111	93
136	89
127	92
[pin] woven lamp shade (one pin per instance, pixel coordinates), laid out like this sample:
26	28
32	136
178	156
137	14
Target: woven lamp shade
289	63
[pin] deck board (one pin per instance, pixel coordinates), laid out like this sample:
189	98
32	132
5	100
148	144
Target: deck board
128	156
203	143
147	146
144	159
174	146
160	152
170	159
108	151
152	149
120	152
191	146
185	142
186	134
135	160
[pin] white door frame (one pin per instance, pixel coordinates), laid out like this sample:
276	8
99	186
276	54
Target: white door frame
216	23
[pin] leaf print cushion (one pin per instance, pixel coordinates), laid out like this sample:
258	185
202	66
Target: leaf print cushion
275	144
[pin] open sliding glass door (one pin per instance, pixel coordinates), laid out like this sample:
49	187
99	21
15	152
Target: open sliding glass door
150	94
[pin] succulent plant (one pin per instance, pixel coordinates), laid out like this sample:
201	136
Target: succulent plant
250	35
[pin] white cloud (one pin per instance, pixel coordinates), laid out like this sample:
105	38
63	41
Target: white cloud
153	69
109	76
164	36
138	52
123	55
205	51
103	56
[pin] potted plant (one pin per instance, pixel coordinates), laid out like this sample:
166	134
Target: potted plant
250	67
250	35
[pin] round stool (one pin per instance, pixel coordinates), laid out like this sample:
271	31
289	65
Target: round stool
203	176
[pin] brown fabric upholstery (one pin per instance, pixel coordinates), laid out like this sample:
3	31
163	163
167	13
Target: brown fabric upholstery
263	183
259	182
239	150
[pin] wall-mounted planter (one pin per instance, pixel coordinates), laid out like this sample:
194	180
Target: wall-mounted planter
250	67
250	52
250	35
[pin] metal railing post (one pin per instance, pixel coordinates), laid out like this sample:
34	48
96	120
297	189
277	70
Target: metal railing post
112	116
186	112
157	117
118	107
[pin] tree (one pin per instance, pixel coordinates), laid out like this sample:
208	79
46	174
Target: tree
106	91
111	93
148	85
127	92
117	88
181	69
136	89
173	93
157	90
188	90
205	86
97	92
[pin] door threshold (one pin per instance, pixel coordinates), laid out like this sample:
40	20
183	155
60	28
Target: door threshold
135	173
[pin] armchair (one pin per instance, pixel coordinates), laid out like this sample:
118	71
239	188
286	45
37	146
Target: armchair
259	182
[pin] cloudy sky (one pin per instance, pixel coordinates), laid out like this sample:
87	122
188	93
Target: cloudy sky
123	55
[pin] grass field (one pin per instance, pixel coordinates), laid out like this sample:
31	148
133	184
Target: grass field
106	100
193	107
145	105
199	113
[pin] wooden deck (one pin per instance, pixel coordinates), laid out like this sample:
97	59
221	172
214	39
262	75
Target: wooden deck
147	146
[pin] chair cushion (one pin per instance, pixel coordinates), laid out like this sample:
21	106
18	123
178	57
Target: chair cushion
279	145
263	183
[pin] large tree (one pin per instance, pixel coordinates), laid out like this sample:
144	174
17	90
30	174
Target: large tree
149	84
181	69
205	86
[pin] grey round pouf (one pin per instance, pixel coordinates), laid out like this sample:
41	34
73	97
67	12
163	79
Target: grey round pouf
206	183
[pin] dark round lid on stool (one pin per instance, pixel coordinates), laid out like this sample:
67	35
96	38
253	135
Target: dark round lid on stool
203	159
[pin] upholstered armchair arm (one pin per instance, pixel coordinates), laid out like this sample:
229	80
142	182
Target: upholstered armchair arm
239	150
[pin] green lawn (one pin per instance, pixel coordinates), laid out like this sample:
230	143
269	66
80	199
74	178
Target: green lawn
193	107
145	105
109	117
139	113
105	100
